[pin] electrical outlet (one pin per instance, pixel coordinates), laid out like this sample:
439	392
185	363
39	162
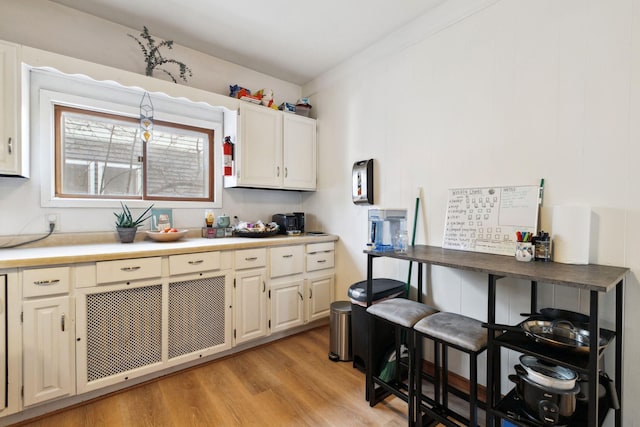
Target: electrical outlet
53	218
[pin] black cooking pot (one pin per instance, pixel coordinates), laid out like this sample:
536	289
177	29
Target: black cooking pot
547	405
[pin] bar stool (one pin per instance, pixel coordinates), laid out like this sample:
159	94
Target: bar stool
402	314
461	333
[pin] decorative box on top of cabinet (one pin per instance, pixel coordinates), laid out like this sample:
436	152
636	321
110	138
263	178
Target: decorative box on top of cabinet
14	156
274	150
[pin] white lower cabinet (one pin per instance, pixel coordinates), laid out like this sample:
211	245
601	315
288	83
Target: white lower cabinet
320	294
48	357
250	307
250	295
90	325
298	296
287	304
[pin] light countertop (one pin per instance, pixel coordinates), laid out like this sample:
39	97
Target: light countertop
39	256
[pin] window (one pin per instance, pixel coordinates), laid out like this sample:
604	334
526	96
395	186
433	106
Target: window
84	132
101	155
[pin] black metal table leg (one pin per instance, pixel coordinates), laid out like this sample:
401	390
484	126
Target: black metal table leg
492	369
619	367
594	331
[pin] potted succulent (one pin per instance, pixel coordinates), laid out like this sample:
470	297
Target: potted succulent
126	225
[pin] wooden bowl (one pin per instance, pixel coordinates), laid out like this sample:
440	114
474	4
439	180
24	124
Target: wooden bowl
160	236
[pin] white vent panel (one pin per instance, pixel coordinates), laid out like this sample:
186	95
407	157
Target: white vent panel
124	330
196	315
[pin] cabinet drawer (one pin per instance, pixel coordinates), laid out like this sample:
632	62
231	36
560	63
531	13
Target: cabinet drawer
320	247
286	260
46	281
193	263
250	258
320	260
128	269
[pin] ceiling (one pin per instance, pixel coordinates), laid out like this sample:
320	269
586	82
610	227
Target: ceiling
293	40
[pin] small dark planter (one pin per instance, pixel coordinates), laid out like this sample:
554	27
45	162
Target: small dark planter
127	235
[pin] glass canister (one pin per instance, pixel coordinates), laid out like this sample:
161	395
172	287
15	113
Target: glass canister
401	241
542	244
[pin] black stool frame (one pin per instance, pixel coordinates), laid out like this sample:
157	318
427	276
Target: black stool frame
439	410
397	386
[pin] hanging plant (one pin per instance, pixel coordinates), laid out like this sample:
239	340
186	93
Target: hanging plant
154	58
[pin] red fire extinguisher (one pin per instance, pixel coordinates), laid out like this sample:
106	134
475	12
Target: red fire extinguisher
227	151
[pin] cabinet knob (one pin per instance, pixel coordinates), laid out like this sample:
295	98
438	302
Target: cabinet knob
196	262
134	268
10	145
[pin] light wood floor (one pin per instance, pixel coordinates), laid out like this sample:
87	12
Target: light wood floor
290	382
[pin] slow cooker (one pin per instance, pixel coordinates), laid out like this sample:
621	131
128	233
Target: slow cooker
548	391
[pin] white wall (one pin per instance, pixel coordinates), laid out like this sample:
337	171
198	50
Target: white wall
516	91
54	28
479	93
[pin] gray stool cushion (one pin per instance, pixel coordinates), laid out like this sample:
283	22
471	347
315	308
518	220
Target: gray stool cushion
401	311
454	328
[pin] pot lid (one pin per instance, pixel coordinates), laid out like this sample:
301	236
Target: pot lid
547	374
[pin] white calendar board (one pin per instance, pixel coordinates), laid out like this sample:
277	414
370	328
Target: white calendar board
486	219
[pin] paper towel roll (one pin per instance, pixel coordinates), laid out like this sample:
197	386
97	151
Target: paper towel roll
571	234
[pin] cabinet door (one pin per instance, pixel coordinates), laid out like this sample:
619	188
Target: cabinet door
287	305
299	151
250	305
10	156
259	149
48	350
320	296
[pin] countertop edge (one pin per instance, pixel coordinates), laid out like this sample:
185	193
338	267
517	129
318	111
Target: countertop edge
72	254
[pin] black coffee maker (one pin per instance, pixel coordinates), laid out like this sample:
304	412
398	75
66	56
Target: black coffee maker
289	223
300	218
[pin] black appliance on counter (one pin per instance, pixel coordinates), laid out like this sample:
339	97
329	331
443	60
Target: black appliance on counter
289	222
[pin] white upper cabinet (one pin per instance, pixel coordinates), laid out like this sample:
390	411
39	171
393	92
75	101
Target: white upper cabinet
299	151
14	158
258	156
274	150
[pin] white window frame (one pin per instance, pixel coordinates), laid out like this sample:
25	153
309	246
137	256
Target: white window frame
43	124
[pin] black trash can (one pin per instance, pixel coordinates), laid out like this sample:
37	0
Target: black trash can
381	289
340	331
